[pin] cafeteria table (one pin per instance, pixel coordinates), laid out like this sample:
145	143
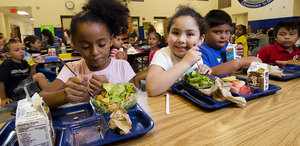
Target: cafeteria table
266	120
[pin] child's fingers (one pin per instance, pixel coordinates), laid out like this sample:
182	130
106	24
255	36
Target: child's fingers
75	96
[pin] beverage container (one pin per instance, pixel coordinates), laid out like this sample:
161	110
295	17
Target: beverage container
231	52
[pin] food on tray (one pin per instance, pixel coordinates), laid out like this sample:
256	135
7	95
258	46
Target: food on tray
275	71
258	76
240	87
197	80
230	79
120	121
220	92
114	95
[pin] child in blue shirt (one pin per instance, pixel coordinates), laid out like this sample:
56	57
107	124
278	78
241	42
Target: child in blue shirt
216	41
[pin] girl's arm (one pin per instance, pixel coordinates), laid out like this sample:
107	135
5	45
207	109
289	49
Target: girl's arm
54	95
159	81
75	90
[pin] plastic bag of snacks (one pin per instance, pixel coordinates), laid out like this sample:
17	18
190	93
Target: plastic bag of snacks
114	95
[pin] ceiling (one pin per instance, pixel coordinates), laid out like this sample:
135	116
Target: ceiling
26	18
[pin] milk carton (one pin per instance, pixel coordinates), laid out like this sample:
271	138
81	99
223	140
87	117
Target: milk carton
231	52
33	122
258	75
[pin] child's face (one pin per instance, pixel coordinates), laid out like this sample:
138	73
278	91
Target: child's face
93	41
239	31
131	41
287	38
36	45
218	36
16	52
184	34
118	42
153	41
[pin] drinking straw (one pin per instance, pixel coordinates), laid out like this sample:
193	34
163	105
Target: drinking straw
167	104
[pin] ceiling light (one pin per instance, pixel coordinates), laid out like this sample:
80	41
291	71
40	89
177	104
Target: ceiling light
22	13
31	19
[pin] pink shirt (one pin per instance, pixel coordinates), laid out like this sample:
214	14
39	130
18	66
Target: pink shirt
118	71
113	53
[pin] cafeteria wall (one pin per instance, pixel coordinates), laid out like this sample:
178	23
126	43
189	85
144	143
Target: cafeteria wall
166	8
267	16
48	12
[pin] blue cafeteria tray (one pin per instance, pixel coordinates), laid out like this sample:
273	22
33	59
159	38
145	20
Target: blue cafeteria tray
207	102
63	118
292	71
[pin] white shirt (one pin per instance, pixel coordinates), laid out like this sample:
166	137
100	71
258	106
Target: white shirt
166	59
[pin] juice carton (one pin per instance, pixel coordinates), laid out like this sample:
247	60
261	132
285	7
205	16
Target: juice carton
258	75
33	122
231	52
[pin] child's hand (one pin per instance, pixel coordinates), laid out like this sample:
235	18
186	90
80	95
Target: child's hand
192	56
96	83
204	69
240	49
5	101
76	90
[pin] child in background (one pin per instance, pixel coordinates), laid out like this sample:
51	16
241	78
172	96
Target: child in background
92	32
33	43
50	41
15	74
155	42
186	32
216	41
115	51
263	40
2	42
131	39
240	38
286	34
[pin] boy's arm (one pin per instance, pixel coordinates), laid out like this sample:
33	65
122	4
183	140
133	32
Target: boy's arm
4	99
232	65
33	69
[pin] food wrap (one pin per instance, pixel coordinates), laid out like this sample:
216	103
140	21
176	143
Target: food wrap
114	95
120	121
220	92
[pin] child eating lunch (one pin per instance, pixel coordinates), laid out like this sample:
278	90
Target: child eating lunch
186	32
286	35
92	31
216	41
